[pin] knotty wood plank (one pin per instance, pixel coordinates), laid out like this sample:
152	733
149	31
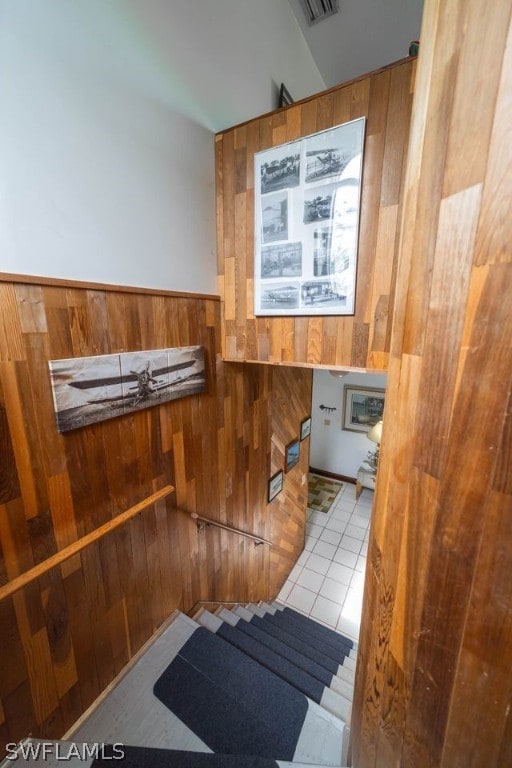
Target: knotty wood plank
436	619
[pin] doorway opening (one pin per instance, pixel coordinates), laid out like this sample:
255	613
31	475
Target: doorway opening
327	581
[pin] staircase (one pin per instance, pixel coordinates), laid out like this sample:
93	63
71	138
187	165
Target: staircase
258	686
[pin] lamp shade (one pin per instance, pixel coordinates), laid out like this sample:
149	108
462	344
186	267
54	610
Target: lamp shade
375	433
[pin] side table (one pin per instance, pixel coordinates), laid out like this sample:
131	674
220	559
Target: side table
365	479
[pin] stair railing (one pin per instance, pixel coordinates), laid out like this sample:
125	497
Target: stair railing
21	581
203	522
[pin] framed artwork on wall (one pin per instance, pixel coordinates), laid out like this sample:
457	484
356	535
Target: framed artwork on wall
362	407
91	389
291	455
275	485
305	428
306	223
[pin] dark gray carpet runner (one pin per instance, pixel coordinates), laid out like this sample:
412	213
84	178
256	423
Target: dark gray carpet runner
283	649
316	629
231	702
278	664
337	653
145	757
299	644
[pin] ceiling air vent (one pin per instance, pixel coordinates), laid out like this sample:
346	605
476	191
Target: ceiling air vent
316	10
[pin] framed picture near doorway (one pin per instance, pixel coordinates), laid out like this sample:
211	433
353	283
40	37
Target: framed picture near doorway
275	485
362	407
305	428
291	454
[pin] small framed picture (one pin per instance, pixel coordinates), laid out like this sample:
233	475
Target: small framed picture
362	407
291	456
275	485
305	428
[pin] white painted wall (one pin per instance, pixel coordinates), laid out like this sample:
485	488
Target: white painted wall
332	448
364	35
106	135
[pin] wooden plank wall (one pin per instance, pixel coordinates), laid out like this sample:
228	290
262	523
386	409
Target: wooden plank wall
362	340
434	682
291	391
66	635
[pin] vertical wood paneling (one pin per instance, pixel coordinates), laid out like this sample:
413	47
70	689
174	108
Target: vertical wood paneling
362	340
291	394
435	666
66	634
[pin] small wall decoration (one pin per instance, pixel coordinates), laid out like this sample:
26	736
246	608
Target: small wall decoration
284	96
90	389
275	485
291	456
307	199
362	407
305	428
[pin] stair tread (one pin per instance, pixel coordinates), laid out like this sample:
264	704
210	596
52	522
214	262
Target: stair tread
331	636
222	673
333	701
338	654
328	679
131	713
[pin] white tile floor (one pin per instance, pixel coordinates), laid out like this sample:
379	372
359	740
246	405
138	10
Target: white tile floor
328	579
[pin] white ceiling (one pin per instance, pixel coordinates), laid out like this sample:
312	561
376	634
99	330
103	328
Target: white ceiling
364	35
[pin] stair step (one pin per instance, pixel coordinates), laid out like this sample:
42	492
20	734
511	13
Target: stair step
304	645
330	635
244	613
285	663
192	690
318	632
216	688
267	607
130	713
308	635
326	678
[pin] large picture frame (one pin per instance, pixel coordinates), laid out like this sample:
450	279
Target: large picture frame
362	407
306	223
91	389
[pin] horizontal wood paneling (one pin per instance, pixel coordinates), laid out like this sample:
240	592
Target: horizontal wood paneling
434	681
362	340
69	631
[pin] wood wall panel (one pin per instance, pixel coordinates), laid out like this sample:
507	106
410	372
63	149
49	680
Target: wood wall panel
292	390
434	680
67	633
362	340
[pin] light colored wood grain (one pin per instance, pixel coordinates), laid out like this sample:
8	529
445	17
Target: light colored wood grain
384	98
436	614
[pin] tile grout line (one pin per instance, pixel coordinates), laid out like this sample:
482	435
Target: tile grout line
346	511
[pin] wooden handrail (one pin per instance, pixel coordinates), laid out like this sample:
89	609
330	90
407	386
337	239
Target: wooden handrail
72	549
208	521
